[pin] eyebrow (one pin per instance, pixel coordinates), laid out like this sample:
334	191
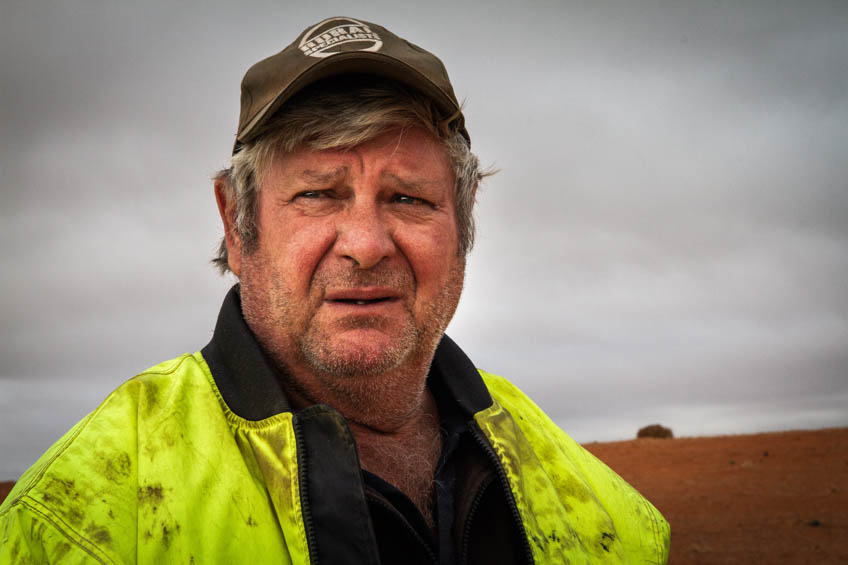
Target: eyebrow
408	184
321	177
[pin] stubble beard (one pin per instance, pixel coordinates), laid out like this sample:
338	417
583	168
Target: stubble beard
357	372
319	352
354	373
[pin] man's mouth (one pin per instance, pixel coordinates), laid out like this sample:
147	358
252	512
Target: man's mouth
362	296
360	302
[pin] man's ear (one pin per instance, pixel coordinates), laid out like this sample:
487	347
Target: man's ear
227	209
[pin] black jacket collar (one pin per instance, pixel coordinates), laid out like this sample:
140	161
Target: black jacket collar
251	386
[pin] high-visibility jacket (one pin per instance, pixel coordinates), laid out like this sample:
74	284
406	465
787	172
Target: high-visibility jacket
163	471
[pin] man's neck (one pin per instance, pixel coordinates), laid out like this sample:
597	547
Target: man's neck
397	434
407	456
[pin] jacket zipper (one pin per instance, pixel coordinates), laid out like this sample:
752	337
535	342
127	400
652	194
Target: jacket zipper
304	497
466	534
409	527
478	435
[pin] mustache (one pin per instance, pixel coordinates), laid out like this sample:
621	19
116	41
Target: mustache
379	275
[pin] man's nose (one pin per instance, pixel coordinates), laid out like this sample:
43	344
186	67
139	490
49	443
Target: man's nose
363	236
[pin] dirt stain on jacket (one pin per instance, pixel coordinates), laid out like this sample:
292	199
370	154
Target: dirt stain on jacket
60	551
98	534
606	540
117	468
151	495
151	399
63	496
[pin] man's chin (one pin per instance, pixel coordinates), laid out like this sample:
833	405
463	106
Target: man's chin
359	352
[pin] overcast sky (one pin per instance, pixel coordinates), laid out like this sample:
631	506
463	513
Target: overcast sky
666	241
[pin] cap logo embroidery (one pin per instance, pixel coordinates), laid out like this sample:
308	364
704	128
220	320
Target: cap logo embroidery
327	37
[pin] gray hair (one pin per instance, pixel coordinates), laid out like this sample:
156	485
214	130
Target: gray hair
341	114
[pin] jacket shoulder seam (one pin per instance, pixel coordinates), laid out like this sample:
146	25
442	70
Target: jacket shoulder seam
57	524
176	363
655	527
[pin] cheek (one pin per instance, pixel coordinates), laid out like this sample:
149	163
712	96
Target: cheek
302	247
432	256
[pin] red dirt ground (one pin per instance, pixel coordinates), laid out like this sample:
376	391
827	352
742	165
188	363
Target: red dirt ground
764	499
776	498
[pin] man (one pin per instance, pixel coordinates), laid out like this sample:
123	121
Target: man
330	420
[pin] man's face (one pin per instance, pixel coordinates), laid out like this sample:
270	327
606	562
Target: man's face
357	271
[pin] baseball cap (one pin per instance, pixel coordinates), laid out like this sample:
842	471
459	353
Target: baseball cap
336	46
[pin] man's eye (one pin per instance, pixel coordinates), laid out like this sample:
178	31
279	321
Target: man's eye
310	194
406	199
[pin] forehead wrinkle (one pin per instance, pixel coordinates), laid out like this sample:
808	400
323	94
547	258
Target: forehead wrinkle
355	151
